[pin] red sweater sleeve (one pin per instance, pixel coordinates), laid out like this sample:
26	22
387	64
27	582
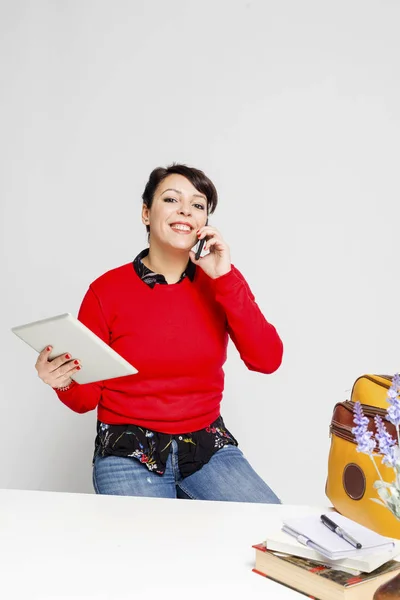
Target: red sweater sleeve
84	397
257	341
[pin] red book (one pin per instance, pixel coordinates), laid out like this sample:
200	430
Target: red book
318	581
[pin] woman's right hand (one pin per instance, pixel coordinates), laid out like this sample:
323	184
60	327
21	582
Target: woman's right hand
58	371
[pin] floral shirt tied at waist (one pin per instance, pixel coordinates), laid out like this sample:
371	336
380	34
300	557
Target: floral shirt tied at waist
151	448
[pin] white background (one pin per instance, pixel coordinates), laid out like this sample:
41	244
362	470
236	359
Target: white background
292	109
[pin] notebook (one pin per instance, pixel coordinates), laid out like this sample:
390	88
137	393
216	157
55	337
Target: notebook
313	533
279	541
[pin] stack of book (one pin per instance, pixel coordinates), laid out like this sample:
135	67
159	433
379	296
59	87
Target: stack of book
307	556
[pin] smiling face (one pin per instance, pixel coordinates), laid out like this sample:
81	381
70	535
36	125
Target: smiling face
177	212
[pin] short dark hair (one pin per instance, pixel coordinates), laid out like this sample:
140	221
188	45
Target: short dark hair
199	180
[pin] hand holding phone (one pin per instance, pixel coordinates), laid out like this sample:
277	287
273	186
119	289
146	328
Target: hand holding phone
201	244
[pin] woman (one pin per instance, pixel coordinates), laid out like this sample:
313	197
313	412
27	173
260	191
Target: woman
160	432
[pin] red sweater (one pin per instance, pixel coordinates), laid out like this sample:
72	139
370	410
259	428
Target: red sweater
176	335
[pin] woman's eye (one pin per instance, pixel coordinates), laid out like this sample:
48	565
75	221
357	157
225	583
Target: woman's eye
174	200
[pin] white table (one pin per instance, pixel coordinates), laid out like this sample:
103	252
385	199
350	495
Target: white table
60	545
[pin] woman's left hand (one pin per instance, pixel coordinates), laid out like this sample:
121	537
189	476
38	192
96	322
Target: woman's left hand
218	261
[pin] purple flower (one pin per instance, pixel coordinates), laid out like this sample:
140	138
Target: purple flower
396	381
393	398
365	442
394	413
386	442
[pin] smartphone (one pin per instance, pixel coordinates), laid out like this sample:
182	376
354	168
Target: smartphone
201	244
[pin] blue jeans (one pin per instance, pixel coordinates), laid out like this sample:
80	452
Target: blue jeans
227	476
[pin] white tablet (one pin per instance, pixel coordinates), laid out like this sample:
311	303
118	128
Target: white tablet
68	335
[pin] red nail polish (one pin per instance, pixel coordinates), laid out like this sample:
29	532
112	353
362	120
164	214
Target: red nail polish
78	368
48	348
76	362
67	356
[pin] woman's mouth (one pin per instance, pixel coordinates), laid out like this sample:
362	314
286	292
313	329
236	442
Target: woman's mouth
183	229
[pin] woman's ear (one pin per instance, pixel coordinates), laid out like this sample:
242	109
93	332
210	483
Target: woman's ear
145	215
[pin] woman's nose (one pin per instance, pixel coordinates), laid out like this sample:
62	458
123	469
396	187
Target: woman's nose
185	211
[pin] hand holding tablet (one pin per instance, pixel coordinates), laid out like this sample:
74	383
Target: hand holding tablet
69	337
57	372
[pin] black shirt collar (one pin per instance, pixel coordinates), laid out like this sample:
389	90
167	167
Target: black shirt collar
151	278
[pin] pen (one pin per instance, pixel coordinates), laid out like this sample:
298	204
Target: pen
339	531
